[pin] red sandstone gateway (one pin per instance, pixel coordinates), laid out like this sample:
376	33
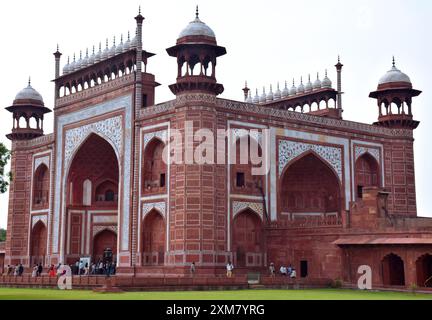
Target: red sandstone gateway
338	195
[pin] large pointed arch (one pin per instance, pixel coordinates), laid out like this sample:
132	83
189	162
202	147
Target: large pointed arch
310	186
95	163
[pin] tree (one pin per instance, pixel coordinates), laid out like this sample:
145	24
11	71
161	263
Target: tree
4	178
2	235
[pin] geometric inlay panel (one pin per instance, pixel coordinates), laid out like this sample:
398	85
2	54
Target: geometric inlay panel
110	128
359	151
289	150
36	219
239	206
159	206
162	135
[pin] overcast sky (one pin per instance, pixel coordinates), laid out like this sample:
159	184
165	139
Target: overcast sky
267	41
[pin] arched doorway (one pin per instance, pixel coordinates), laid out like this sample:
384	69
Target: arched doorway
248	239
366	173
393	271
154	173
153	237
102	241
424	271
310	187
38	243
41	187
92	189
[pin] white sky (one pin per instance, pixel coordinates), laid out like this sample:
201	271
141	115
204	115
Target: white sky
267	41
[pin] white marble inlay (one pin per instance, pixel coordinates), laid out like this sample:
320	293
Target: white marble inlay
159	206
36	219
162	135
105	219
42	160
239	206
289	150
110	128
359	151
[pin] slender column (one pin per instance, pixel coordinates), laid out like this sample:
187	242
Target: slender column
57	56
339	66
138	105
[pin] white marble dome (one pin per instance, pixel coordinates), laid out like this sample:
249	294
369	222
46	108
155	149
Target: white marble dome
29	93
394	75
197	28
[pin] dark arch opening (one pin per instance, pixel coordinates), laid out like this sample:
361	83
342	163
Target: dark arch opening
153	239
424	271
106	239
393	271
38	244
248	240
155	169
41	187
366	173
310	186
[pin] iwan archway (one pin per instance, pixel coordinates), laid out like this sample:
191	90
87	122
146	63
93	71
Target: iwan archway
92	200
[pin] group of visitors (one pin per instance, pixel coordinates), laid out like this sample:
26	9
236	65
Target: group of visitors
283	271
79	268
18	270
37	270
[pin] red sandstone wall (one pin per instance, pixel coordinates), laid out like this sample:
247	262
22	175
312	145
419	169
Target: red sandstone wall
198	230
400	177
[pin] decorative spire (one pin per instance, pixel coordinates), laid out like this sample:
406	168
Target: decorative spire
114	41
106	44
93	49
197	13
139	9
29	82
394	62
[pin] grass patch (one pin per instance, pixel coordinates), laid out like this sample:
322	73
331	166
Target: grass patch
312	294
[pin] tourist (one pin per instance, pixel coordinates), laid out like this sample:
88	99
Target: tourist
77	268
35	271
192	269
283	270
272	269
293	274
52	272
230	268
81	267
39	269
20	269
86	269
289	270
9	270
100	267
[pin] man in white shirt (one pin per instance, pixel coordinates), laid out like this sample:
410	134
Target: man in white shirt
283	270
229	268
293	274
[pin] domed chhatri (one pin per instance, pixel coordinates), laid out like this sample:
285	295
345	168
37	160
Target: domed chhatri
196	47
395	78
28	104
28	95
197	28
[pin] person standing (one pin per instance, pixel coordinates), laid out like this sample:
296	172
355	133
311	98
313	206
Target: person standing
272	270
20	269
35	271
192	269
230	268
293	274
39	269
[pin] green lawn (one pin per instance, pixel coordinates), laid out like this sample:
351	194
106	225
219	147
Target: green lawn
315	294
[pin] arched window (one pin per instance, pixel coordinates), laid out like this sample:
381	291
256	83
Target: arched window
393	272
155	169
41	187
366	173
